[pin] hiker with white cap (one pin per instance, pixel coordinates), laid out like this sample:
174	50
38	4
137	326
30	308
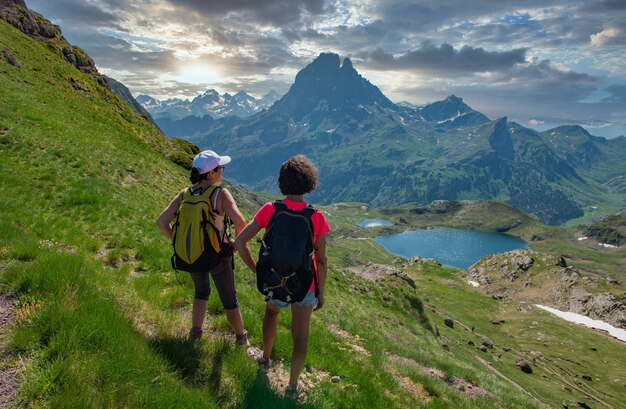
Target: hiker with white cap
206	173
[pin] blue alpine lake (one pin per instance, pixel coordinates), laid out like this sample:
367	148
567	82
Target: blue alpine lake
452	247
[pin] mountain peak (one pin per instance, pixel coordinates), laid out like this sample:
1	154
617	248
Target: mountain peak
210	92
347	65
327	85
329	60
572	129
450	108
272	94
501	121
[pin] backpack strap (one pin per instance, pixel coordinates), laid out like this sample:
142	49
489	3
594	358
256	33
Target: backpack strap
279	206
217	191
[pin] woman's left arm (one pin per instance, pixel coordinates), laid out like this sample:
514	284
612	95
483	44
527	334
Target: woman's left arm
322	268
241	243
229	207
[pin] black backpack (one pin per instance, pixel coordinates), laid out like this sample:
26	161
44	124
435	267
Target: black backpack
285	268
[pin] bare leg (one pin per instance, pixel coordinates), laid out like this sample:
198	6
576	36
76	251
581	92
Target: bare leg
198	311
300	320
235	320
270	323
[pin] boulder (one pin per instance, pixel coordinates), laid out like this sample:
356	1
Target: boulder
404	276
524	366
448	322
523	262
487	342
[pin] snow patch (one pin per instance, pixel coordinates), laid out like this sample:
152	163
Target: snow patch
607	245
473	283
586	321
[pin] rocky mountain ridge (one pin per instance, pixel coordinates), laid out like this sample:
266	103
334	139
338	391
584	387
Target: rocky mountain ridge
372	150
123	92
36	26
209	103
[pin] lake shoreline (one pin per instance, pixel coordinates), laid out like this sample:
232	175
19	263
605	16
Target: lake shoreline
458	248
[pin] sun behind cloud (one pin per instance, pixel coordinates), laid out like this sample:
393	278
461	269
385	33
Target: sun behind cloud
194	73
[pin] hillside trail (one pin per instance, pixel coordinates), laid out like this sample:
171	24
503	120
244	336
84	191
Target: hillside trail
8	369
277	377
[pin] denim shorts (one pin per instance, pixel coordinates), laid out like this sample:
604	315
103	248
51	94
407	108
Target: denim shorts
309	300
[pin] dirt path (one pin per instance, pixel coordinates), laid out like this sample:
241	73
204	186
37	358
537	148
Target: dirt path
8	373
278	376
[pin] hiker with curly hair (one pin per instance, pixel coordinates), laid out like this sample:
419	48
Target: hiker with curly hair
297	177
206	173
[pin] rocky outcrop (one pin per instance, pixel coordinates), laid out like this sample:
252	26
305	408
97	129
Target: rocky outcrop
376	272
543	279
611	230
602	306
36	26
8	55
17	14
438	207
500	140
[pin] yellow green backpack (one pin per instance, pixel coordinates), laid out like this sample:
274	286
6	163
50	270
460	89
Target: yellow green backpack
196	241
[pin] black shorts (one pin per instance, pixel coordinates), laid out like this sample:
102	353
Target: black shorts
224	280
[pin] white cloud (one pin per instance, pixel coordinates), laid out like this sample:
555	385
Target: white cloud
505	57
609	36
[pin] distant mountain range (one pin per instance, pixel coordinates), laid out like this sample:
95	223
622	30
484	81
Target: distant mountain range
209	103
371	150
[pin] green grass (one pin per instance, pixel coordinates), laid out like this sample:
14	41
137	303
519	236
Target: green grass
566	349
102	319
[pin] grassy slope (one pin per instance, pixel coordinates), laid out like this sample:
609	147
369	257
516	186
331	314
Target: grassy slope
102	321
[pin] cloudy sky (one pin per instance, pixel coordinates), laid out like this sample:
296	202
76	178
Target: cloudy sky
539	62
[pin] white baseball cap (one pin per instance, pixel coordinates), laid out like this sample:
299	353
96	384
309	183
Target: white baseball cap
206	161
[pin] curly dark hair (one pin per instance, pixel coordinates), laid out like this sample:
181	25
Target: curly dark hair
298	176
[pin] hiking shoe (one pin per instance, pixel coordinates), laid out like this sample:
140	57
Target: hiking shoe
293	393
194	335
242	340
264	364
